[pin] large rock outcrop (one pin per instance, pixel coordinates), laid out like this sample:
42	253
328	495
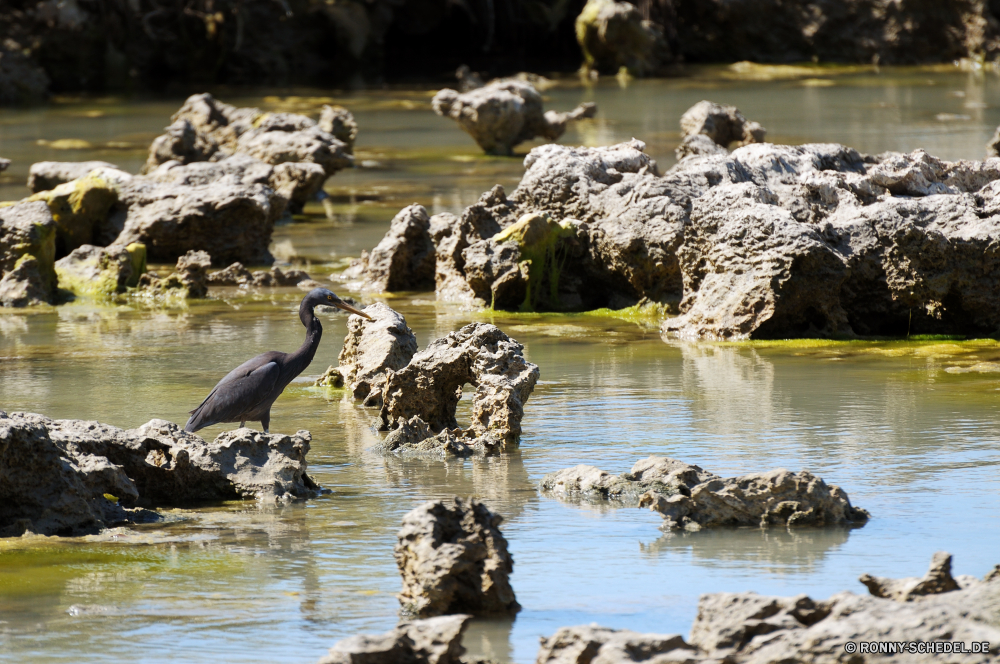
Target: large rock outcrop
504	114
454	559
67	477
435	640
27	254
613	35
205	129
691	498
768	241
429	387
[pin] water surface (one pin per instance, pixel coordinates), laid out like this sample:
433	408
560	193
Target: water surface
907	428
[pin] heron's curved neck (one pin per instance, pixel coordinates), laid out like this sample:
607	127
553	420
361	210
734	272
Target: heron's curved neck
301	358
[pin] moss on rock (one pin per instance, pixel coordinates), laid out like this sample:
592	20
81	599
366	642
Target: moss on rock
80	208
539	238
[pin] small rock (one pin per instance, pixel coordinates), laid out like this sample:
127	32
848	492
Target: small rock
454	559
613	35
429	641
586	644
722	123
405	258
189	279
937	580
46	175
330	378
101	271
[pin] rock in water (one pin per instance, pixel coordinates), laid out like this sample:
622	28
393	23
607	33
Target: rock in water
27	254
454	559
373	349
937	580
429	386
504	114
404	259
722	123
60	471
591	643
429	641
189	279
613	35
101	271
692	498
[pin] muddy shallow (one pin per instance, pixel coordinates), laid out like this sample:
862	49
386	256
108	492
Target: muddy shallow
908	428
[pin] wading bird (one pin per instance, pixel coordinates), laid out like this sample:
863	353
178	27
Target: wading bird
249	390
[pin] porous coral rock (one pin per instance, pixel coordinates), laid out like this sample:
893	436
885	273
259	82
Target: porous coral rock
504	114
937	580
45	175
237	275
101	271
722	123
27	231
405	258
593	644
435	640
373	349
454	559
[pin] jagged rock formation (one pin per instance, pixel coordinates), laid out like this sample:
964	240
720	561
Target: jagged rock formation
435	640
67	477
237	275
691	498
27	254
504	114
372	350
454	559
937	580
404	259
768	241
613	35
101	272
188	280
586	644
429	387
205	129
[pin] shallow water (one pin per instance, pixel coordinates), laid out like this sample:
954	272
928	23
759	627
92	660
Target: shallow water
907	428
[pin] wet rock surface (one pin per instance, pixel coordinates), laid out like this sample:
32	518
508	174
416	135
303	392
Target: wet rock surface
504	114
237	275
101	272
614	35
453	559
27	254
768	241
691	498
435	640
429	387
60	470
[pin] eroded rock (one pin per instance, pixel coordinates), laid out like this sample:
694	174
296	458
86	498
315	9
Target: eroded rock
27	254
937	580
237	275
188	280
429	387
45	175
586	644
405	258
504	114
372	350
435	640
613	35
454	559
101	271
56	472
722	123
689	497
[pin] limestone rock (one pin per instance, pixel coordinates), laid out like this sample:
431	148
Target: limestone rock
722	123
454	559
340	123
27	254
404	260
937	580
373	349
189	279
592	644
505	113
698	145
83	209
237	275
663	475
330	378
429	386
101	271
613	35
64	467
45	175
414	437
435	640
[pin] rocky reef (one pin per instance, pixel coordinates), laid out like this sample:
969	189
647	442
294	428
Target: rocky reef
453	559
71	477
768	241
691	498
505	113
435	640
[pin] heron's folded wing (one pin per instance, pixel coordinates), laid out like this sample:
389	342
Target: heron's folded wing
237	393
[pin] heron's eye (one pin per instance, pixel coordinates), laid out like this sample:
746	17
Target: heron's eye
329	297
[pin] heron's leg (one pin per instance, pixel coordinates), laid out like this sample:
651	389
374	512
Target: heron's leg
265	421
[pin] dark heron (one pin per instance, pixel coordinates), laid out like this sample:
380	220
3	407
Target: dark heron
249	390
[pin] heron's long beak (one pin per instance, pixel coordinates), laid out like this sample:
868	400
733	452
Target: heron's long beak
346	307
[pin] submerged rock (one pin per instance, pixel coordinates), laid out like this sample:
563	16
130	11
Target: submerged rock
27	254
613	35
435	640
429	387
46	175
504	114
691	498
101	271
68	477
374	349
454	559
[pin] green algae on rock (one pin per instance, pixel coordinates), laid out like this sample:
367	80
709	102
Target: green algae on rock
82	210
27	229
101	272
539	240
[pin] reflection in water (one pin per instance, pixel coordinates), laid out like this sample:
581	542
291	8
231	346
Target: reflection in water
777	550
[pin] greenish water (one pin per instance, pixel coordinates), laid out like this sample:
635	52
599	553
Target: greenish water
908	428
